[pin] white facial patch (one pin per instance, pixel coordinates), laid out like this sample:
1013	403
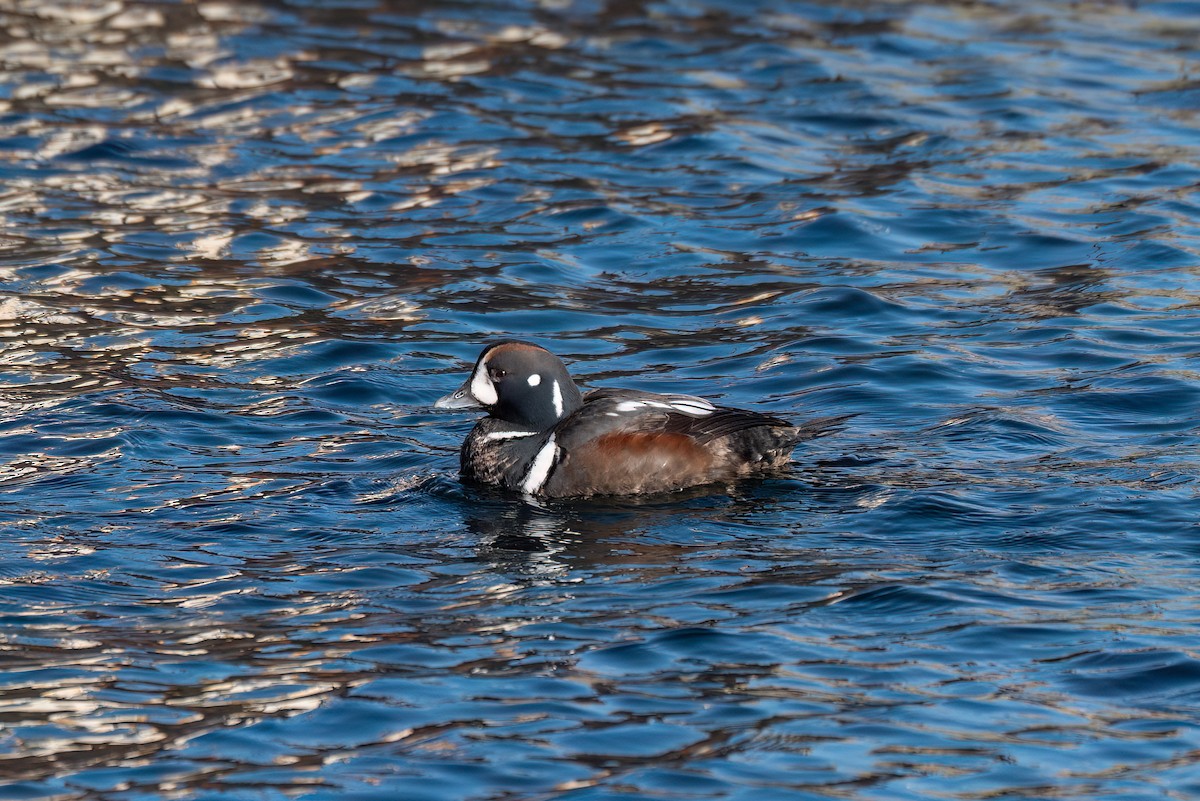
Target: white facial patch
534	380
539	470
482	387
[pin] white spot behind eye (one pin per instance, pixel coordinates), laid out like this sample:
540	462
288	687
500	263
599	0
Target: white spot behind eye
534	380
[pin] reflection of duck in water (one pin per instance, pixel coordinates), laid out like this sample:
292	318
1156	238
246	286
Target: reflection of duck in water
544	438
570	524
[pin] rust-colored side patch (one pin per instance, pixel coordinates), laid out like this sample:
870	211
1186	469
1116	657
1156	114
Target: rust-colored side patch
663	446
633	462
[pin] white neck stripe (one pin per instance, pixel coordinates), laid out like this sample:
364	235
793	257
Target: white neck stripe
495	435
558	401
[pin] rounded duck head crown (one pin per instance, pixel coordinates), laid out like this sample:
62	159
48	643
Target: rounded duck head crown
520	383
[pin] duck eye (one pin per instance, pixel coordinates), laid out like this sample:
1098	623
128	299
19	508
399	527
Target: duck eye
495	373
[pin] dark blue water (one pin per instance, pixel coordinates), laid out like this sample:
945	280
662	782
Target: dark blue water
244	246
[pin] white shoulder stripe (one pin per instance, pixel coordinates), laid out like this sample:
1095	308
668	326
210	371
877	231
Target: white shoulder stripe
539	470
694	406
684	404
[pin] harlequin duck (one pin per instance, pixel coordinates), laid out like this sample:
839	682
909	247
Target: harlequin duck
545	439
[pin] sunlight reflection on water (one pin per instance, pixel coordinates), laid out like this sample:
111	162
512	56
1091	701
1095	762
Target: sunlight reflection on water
246	245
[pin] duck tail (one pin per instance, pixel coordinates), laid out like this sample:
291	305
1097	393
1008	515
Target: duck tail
818	427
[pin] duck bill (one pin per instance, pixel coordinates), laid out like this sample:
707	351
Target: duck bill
460	398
